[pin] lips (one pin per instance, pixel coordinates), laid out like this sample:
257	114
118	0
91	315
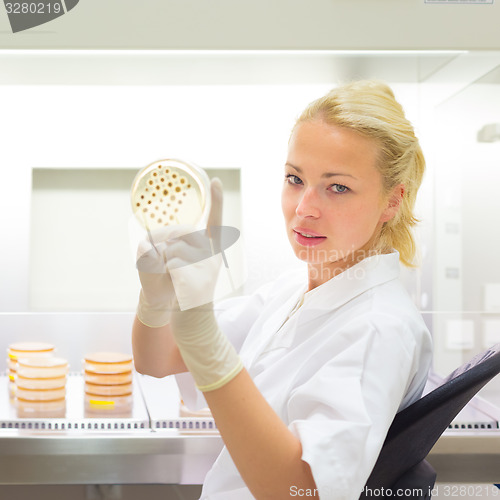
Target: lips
307	237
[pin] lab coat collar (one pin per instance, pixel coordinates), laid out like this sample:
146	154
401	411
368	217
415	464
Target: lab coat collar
279	330
370	272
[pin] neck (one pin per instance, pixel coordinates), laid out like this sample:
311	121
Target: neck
319	273
322	272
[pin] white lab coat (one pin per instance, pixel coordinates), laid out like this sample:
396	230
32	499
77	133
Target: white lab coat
336	370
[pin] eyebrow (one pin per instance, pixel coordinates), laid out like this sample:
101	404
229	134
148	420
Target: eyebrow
326	175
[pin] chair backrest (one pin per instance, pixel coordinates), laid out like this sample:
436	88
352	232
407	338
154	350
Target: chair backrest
416	429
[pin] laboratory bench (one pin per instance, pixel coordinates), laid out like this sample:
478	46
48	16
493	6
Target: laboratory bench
154	440
150	442
149	439
153	443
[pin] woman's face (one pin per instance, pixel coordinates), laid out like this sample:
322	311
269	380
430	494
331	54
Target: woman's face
332	197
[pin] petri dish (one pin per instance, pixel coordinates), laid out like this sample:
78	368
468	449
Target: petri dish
12	369
108	362
12	364
29	349
42	367
40	394
41	409
108	390
170	192
96	405
40	383
25	350
108	378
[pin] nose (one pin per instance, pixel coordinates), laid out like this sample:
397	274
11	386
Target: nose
309	204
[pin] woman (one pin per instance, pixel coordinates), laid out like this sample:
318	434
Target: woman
306	388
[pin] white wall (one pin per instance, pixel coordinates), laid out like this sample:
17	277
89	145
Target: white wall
127	127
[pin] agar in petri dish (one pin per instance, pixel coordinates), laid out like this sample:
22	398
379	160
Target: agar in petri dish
170	178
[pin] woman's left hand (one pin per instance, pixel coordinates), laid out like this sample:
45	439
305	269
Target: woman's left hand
194	258
194	262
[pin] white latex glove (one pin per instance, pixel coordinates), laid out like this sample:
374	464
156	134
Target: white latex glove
194	262
157	297
206	351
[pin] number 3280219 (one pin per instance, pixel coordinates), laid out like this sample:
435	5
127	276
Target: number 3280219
33	8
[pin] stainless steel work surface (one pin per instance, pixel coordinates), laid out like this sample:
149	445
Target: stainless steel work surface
154	442
103	447
89	457
467	456
166	410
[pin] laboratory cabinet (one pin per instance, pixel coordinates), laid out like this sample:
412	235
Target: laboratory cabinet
73	142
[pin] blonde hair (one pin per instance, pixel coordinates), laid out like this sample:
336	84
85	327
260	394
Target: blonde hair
370	108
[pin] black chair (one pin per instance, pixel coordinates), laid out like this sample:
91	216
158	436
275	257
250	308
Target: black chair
414	431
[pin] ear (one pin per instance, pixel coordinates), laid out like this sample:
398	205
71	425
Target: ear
393	203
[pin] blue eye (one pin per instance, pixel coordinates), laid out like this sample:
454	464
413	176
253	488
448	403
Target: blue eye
293	179
339	188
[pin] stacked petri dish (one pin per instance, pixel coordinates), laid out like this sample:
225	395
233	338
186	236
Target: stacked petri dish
26	350
108	382
41	386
